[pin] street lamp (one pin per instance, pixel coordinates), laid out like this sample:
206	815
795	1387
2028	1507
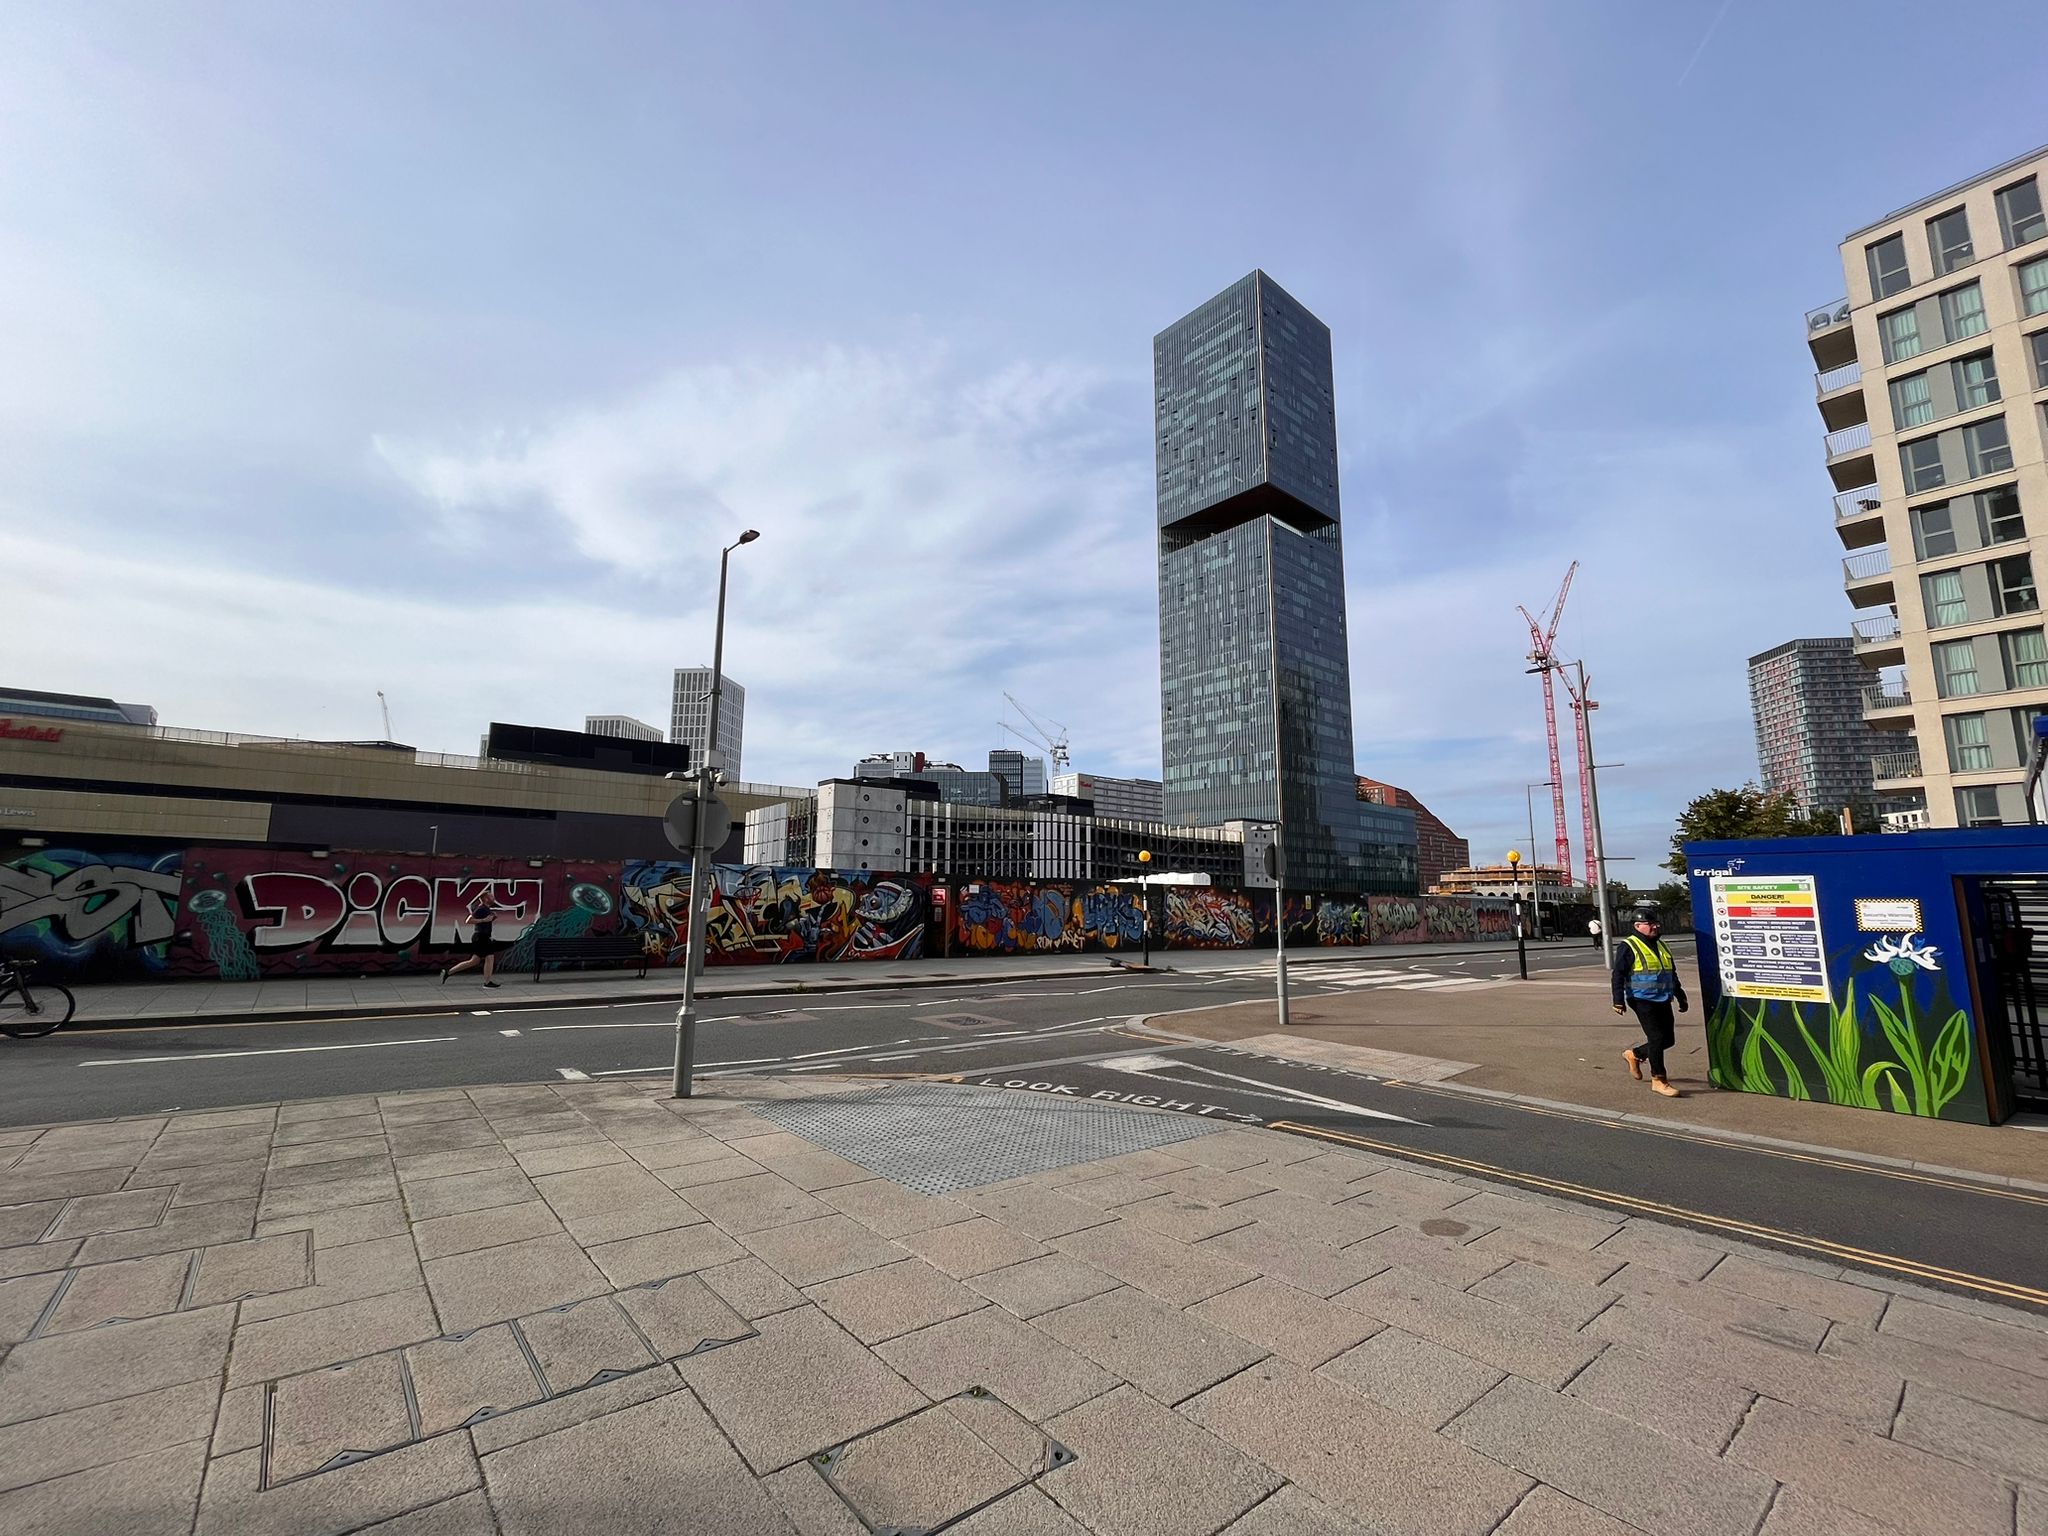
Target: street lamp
1586	708
700	884
1535	864
1145	887
1521	943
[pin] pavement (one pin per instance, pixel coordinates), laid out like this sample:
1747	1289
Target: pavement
837	1305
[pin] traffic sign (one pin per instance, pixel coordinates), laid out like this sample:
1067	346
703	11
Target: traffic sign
681	823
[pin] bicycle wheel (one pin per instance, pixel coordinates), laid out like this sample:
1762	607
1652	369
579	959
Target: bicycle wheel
25	1016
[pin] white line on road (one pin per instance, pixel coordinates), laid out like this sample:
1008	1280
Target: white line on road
1306	1098
508	1031
281	1050
819	1066
573	1075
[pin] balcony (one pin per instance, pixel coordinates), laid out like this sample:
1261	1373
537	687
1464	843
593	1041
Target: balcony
1849	457
1829	336
1887	704
1896	767
1840	392
1859	517
1828	380
1878	642
1867	577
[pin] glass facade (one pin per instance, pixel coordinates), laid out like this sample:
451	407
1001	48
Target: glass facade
1255	675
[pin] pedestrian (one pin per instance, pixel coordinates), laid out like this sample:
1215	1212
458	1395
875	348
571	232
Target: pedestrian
481	911
1593	928
1647	977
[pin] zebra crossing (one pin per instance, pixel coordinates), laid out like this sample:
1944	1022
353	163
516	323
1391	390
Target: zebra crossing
1361	976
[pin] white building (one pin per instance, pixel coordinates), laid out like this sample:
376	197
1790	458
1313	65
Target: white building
1133	799
620	725
690	719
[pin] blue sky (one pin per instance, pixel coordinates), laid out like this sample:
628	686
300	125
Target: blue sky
436	348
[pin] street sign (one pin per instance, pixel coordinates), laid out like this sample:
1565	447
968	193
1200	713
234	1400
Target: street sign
680	822
1273	861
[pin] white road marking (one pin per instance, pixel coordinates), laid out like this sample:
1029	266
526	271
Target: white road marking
508	1031
573	1075
479	1013
1149	1066
281	1050
819	1067
621	1024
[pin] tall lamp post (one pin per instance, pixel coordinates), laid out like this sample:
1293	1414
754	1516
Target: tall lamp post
1535	864
700	880
1587	706
1276	866
1521	941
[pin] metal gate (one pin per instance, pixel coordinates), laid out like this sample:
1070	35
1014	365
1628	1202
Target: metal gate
2016	912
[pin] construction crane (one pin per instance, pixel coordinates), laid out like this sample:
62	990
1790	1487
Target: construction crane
1049	734
1580	706
1543	662
381	704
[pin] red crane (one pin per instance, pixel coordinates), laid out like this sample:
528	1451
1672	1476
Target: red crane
1543	661
1580	706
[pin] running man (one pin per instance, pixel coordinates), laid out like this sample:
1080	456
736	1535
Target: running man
1645	977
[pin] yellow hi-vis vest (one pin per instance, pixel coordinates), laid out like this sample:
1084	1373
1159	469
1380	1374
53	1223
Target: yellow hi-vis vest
1653	978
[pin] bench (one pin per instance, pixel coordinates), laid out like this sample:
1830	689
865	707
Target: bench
602	948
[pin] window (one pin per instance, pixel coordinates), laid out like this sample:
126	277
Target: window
1962	312
1901	333
2019	213
2039	343
1912	406
1942	595
1921	463
2012	586
2034	287
1887	260
1955	668
1977	806
2026	658
1976	381
1998	516
1986	448
1934	533
1969	747
1948	241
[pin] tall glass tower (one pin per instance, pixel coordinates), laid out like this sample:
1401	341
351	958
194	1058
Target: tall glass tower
1254	662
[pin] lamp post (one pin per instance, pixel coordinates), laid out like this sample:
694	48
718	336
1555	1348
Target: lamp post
1535	864
1145	897
1521	941
700	883
1276	866
1587	706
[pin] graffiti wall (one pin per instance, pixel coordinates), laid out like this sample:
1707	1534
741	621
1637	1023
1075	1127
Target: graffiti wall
90	915
1023	917
1421	920
251	913
763	915
1205	917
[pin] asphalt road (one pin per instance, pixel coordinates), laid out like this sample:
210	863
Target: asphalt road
1067	1037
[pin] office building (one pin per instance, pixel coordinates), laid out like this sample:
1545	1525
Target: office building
1023	776
1255	675
1553	886
33	703
1931	379
620	725
1437	847
1132	799
690	718
956	785
1812	741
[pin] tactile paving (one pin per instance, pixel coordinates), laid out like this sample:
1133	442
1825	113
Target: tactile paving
937	1138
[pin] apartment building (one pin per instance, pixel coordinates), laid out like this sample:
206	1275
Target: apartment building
1131	799
690	718
620	725
1932	381
1812	741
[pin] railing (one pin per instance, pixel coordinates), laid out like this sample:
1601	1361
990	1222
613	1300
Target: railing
1850	504
1876	631
1828	317
1849	439
1877	696
1867	564
1889	766
1838	378
1902	821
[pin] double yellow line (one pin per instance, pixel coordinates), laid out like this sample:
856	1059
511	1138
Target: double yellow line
2002	1289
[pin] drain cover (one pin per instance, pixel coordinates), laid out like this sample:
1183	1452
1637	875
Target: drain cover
965	1021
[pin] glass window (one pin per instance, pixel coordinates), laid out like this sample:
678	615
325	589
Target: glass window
1901	332
2026	658
1976	381
1998	516
2023	720
1962	312
1955	668
1942	594
1912	406
2034	287
2012	586
1888	272
1934	533
1969	746
1948	241
1921	463
1986	447
2039	343
1977	806
2019	212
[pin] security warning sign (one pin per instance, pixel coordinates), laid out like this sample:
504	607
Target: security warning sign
1767	933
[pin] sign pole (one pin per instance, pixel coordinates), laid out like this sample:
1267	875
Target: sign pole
1274	855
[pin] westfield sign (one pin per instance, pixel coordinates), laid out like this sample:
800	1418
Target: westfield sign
16	730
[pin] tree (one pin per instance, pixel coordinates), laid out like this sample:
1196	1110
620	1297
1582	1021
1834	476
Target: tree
1722	815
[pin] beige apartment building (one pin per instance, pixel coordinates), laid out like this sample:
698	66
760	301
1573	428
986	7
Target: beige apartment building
1933	386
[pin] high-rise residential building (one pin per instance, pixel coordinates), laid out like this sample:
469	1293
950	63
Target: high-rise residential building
1930	383
1133	799
1812	741
690	718
1255	672
1024	775
620	725
1437	847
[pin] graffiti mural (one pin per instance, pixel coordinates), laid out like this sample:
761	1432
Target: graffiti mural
1495	920
1203	917
88	914
1343	921
764	915
253	913
1026	917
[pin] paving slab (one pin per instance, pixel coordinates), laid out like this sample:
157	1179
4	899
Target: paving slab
398	1482
1546	1512
303	1341
467	1514
1441	1258
751	1288
90	1215
126	1289
1889	1355
27	1223
183	1227
1858	1306
302	1154
1027	1512
142	1496
1287	1322
1027	1369
1692	1406
1799	1513
75	1370
1973	1432
1164	1352
340	1412
1304	1263
351	1273
880	1303
493	1284
756	1203
1414	1377
1543	1293
213	1181
2015	1345
682	1315
584	1342
1143	1470
442	1165
808	1252
1035	1211
22	1301
671	1251
368	1165
439	1237
328	1195
556	1413
810	1504
454	1194
56	1446
1729	1308
458	1377
1472	1326
1689	1258
338	1229
973	1247
1290	1512
1179	1273
919	1473
1184	1218
1039	1285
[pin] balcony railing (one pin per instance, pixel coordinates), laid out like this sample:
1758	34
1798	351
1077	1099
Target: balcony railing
1868	564
1838	378
1849	439
1889	767
1850	504
1877	631
1828	317
1879	696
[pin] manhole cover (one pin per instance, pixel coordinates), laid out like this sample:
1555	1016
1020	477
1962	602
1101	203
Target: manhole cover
965	1021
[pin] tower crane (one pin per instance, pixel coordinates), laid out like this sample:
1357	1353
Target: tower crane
1543	662
1049	734
381	704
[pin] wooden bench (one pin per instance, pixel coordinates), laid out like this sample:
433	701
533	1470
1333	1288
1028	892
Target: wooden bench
602	948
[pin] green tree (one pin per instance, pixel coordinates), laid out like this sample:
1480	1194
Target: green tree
1722	815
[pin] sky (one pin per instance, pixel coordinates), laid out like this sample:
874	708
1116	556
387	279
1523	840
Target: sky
438	349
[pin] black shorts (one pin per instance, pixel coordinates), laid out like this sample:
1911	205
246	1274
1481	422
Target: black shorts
480	941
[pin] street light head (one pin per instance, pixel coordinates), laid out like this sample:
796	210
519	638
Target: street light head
1144	855
1514	857
750	535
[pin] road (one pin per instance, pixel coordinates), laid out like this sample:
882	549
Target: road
1070	1037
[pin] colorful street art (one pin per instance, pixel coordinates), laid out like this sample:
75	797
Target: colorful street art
1023	917
762	915
1204	917
253	913
1421	920
90	915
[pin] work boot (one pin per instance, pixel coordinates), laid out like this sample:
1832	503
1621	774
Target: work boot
1661	1085
1635	1064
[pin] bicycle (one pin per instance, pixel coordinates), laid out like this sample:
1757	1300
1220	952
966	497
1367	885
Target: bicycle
24	1016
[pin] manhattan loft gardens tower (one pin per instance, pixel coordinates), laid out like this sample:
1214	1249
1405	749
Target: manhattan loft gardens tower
1254	663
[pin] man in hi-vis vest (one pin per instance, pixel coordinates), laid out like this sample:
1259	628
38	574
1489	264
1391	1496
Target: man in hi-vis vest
1646	979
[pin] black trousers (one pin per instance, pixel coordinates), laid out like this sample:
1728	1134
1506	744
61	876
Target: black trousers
1660	1031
